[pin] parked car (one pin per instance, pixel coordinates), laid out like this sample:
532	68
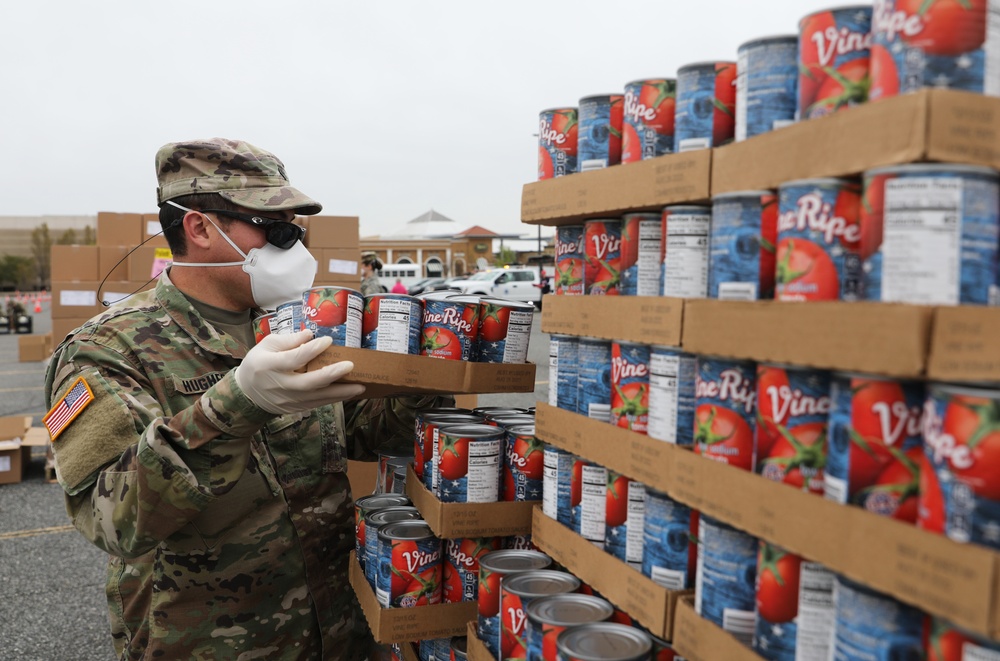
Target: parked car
513	283
427	284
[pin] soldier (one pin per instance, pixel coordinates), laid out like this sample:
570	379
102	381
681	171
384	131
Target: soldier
370	263
212	473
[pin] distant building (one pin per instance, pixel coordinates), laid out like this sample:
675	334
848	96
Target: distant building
15	231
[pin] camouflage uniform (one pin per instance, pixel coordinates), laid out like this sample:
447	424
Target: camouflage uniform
371	285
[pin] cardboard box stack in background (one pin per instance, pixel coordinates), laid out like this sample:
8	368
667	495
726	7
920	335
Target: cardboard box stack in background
335	243
14	453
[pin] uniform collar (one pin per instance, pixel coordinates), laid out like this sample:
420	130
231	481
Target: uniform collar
187	318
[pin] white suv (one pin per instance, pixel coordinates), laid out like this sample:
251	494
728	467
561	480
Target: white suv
516	284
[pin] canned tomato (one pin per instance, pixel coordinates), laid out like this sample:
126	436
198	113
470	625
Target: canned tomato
794	606
461	567
946	642
642	254
491	411
517	591
398	482
819	241
793	410
685	251
570	258
383	475
724	591
450	328
392	322
767	75
493	567
744	232
334	312
504	331
936	44
468	460
600	142
262	326
557	142
588	498
630	385
422	450
428	440
961	436
602	247
929	234
519	543
409	565
869	624
706	101
875	444
664	651
624	508
609	641
550	616
648	123
458	648
288	318
668	549
524	464
593	394
505	422
563	371
373	523
557	501
671	395
725	393
364	506
834	48
429	649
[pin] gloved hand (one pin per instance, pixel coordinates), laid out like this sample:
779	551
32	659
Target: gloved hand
267	375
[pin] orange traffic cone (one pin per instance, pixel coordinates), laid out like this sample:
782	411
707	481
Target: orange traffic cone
38	306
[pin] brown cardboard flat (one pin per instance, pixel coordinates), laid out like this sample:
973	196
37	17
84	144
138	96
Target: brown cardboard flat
14	427
36	437
646	185
340	263
75	299
475	648
71	263
636	455
455	520
697	639
34	348
965	344
930	125
332	232
112	263
362	475
402	625
640	597
387	374
877	338
650	319
119	229
466	401
141	262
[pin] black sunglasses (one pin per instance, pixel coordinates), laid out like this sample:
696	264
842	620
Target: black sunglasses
279	233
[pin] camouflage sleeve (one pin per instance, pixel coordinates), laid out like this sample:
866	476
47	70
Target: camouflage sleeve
385	425
132	476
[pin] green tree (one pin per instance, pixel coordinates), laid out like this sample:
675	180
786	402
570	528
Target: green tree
68	238
505	256
16	271
41	252
89	238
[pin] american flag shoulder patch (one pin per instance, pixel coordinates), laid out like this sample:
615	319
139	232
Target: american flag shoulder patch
77	398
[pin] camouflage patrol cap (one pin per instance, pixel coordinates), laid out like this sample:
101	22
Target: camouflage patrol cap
238	171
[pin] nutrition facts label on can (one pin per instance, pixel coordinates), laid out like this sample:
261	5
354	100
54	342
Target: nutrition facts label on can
593	499
518	333
650	250
553	371
556	464
922	239
973	652
635	521
393	325
352	333
816	615
685	273
663	377
484	472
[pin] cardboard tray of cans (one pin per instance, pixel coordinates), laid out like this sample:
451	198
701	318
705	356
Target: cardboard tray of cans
635	594
386	374
454	520
697	639
403	625
475	648
652	319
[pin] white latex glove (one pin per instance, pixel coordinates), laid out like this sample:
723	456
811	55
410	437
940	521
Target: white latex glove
267	375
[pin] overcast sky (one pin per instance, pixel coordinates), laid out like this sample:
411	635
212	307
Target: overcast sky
378	109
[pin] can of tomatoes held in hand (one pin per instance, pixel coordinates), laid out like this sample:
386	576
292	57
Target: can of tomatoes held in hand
648	123
725	582
504	331
744	233
334	312
461	566
602	249
725	396
766	82
550	616
819	241
600	142
642	254
288	318
450	328
409	565
492	568
588	492
834	47
630	385
517	591
669	551
557	142
671	395
364	506
624	510
392	322
570	260
468	463
684	272
262	326
557	502
593	394
524	464
706	105
373	523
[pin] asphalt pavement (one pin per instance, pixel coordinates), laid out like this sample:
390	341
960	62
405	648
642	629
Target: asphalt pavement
52	603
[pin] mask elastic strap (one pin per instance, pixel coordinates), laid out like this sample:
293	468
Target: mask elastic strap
224	236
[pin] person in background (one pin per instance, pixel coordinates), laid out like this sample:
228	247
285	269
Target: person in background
370	266
213	471
399	287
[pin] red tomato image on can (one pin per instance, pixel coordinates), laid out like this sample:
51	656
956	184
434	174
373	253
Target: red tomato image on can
630	386
725	392
947	27
262	326
557	142
724	121
570	259
602	246
334	312
449	330
648	123
461	567
834	48
523	468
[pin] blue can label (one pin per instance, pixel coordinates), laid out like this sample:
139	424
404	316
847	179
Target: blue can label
667	548
392	323
594	379
557	485
470	468
600	141
766	85
744	231
671	396
706	98
563	372
590	483
570	259
624	512
557	142
871	625
724	591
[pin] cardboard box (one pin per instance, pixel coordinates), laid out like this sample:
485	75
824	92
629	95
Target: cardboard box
876	338
965	344
112	263
75	300
402	625
454	520
697	639
14	427
640	597
636	455
119	229
467	401
339	263
650	319
12	462
333	232
152	231
146	262
643	186
930	125
362	475
386	374
476	649
34	348
75	263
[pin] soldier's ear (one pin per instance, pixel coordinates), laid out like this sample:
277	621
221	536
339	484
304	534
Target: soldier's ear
197	230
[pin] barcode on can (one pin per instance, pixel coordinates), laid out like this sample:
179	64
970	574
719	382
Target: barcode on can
689	144
737	291
670	579
740	623
600	412
834	489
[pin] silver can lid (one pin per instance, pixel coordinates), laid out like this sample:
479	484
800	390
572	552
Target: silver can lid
408	530
604	641
381	501
540	583
566	610
514	560
379	518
